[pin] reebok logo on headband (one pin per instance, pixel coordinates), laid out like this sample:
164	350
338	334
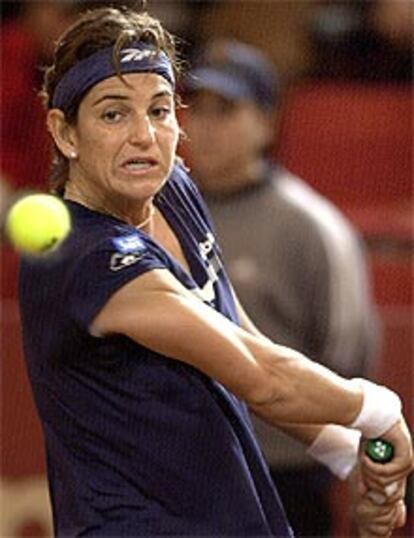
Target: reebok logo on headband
136	55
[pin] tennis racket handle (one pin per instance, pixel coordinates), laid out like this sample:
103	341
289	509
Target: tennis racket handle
381	451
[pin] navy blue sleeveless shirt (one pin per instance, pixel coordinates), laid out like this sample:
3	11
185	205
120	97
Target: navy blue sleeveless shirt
138	444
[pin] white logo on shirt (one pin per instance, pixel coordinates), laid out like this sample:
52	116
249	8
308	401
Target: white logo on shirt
120	261
213	266
206	246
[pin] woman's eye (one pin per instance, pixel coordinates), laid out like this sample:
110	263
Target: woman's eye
161	112
112	116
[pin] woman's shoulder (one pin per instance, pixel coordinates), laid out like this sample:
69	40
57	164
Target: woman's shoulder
180	181
182	193
95	239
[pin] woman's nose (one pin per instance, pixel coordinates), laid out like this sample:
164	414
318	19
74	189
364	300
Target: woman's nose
142	131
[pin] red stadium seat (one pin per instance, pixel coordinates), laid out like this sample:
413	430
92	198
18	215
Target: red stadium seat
353	142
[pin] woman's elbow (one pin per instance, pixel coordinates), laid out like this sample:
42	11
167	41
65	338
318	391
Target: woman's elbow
269	397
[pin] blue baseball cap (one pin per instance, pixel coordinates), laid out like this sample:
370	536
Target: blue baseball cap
236	71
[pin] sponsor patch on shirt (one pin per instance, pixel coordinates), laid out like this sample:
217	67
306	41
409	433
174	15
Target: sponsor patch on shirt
127	244
130	248
121	261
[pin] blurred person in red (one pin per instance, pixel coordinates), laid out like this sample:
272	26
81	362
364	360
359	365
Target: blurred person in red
27	41
294	260
26	45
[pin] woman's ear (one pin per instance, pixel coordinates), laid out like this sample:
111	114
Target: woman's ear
63	133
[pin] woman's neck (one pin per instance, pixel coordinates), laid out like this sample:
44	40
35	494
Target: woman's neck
139	216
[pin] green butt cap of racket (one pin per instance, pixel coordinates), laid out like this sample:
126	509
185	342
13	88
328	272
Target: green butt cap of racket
379	451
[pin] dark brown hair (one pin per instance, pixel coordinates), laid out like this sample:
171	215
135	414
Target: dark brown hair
94	30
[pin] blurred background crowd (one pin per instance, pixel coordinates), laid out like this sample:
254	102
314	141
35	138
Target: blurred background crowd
343	71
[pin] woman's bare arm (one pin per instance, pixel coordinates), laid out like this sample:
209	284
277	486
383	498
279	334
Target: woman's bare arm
278	383
376	475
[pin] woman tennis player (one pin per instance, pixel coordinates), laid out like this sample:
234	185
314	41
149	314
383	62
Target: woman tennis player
142	362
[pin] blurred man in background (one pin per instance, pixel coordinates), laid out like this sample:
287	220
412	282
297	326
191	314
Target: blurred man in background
296	263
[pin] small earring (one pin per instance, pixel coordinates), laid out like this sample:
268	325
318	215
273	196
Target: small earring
73	154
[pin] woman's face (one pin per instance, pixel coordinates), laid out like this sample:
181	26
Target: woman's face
125	137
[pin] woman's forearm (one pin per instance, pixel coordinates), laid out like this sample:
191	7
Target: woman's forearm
296	369
299	390
278	384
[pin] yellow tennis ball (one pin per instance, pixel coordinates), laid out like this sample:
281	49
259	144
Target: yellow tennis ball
37	223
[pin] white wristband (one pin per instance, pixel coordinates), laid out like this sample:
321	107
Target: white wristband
381	409
337	448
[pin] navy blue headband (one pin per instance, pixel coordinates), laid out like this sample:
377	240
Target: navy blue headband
138	57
